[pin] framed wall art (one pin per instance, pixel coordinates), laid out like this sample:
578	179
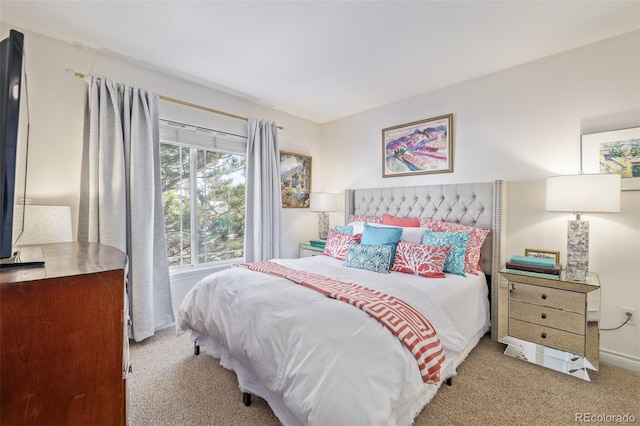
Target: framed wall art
616	151
545	254
295	179
421	147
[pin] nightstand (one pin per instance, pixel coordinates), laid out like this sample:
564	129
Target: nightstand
307	250
551	321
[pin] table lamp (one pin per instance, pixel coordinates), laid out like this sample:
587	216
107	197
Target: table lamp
579	194
322	202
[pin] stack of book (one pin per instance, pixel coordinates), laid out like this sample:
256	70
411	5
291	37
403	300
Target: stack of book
318	243
534	265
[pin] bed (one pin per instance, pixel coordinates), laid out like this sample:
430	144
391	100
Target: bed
317	360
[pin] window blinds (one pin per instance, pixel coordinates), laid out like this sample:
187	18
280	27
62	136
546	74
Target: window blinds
193	136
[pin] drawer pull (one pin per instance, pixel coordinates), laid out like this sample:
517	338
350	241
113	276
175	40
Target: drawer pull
543	335
543	316
544	296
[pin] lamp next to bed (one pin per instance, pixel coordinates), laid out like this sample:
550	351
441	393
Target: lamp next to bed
322	202
580	194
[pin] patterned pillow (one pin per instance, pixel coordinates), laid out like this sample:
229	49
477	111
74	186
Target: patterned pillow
476	239
428	222
426	261
371	258
361	218
406	222
343	229
454	263
338	244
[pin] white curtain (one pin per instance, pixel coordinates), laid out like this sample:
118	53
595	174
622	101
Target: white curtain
121	196
262	203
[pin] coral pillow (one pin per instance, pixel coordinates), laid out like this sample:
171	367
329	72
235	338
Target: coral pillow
423	260
476	239
406	222
338	244
369	219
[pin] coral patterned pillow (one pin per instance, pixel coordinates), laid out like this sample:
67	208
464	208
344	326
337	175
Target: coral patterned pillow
476	238
361	218
338	244
423	260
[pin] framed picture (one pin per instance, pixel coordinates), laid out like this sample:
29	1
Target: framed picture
295	179
421	147
546	254
616	151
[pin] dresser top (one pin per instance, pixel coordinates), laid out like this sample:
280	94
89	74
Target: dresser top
67	259
590	284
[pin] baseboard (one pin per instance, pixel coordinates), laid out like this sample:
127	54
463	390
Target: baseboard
619	360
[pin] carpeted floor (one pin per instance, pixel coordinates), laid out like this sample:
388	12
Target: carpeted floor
171	386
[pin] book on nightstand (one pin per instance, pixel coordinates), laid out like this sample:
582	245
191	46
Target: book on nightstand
534	265
555	270
318	243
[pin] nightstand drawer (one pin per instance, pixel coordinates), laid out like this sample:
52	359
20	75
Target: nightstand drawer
547	336
544	315
561	299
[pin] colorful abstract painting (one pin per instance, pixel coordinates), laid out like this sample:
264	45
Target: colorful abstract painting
420	147
616	151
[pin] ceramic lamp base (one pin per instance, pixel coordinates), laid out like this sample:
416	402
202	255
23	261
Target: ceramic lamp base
323	226
577	250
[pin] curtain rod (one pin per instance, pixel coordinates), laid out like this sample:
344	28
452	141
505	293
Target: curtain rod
72	73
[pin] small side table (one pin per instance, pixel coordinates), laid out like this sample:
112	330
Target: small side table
307	250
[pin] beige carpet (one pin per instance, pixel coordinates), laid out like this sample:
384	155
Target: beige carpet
171	386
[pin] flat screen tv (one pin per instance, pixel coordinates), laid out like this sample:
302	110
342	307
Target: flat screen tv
11	54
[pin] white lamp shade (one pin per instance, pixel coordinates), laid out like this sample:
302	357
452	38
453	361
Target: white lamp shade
43	224
322	202
584	193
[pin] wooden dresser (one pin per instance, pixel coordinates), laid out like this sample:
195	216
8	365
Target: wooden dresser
62	338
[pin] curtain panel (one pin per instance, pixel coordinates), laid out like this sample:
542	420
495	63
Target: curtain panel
262	199
121	195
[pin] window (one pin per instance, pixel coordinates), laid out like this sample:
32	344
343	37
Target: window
203	181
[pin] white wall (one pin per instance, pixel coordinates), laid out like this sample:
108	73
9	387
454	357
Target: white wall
522	125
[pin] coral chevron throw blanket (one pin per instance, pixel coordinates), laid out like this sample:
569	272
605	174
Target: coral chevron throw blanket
413	330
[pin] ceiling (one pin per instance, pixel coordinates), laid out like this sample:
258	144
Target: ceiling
323	60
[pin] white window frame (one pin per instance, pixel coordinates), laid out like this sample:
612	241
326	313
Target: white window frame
199	138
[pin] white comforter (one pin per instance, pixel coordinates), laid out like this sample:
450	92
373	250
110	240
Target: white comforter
319	361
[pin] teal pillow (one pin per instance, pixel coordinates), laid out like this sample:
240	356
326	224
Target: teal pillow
376	236
371	258
344	229
454	263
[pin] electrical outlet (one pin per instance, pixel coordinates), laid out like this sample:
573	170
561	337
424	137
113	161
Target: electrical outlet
634	316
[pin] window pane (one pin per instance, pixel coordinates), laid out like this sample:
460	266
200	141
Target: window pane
220	201
176	186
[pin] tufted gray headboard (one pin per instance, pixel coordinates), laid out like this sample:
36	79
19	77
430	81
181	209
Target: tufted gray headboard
475	204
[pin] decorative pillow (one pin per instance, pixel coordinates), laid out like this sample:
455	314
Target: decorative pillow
371	258
375	236
476	239
406	222
348	229
427	222
410	234
454	263
337	244
361	218
426	261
